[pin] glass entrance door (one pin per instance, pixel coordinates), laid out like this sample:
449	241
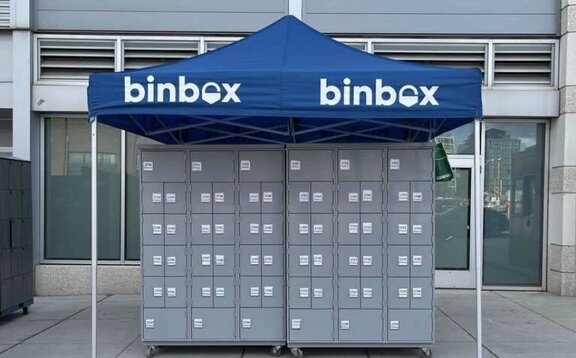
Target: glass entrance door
455	253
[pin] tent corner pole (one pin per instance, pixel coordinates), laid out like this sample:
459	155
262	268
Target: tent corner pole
94	227
478	217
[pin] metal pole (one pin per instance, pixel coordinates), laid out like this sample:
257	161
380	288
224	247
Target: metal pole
478	214
94	227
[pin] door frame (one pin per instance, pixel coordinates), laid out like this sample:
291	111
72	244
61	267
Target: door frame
462	278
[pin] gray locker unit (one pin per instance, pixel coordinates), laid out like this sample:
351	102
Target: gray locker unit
16	260
369	279
213	245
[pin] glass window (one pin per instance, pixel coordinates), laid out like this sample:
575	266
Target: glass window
133	195
67	190
459	140
513	203
5	133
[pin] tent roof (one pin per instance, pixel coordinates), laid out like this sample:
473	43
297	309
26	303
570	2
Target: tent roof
286	83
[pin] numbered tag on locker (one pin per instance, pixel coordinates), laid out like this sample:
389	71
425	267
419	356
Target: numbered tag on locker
402	260
296	323
268	291
303	197
394	164
171	292
245	165
353	228
206	260
254	260
352	197
367	292
197	322
206	229
157	260
417	260
366	195
268	228
318	229
318	197
318	293
303	229
402	196
157	291
317	258
220	291
366	260
171	198
353	261
206	292
196	166
254	197
254	228
294	165
402	229
218	197
344	164
254	291
268	260
246	323
417	196
267	197
353	292
205	197
156	229
171	261
366	228
156	197
219	260
148	166
171	229
304	292
304	260
149	323
219	229
394	325
417	292
345	324
417	229
402	293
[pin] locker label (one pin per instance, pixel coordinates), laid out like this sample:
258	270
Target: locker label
220	291
171	291
219	229
197	322
156	197
157	229
268	228
268	260
254	260
171	229
205	259
149	323
218	197
353	292
219	260
402	293
254	197
246	323
254	228
417	260
171	198
367	292
171	261
303	260
318	197
296	323
318	229
318	293
148	166
366	228
367	260
157	291
402	229
353	228
303	229
394	325
352	197
294	165
317	258
402	260
205	197
206	229
416	229
268	291
366	195
353	261
417	196
254	291
206	292
303	196
394	164
196	166
345	324
267	197
402	196
344	164
304	292
157	260
245	165
417	292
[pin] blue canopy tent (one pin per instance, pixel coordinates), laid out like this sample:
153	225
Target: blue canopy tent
286	83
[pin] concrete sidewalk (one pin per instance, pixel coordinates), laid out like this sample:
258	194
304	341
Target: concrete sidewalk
516	324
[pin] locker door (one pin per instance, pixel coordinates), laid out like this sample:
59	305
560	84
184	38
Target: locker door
421	261
399	197
349	261
410	325
300	292
370	228
153	229
250	229
262	324
371	261
322	261
250	198
360	325
421	197
421	226
272	229
398	292
224	292
322	292
410	164
421	293
261	165
321	197
250	291
299	197
356	165
224	260
349	197
273	260
201	229
399	229
175	230
223	198
175	260
213	324
349	229
175	295
349	292
153	260
299	230
250	260
321	231
370	292
163	166
309	165
398	261
201	198
202	260
371	197
175	198
201	292
153	292
311	325
273	291
152	198
299	261
223	229
164	324
272	197
212	166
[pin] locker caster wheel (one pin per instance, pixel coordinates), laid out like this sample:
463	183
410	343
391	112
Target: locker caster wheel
297	352
151	351
276	351
24	310
427	352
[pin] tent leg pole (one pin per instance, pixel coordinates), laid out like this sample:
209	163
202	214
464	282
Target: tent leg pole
478	215
94	228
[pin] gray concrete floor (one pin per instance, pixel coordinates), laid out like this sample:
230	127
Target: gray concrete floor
516	324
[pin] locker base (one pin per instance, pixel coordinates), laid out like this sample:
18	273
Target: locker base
22	306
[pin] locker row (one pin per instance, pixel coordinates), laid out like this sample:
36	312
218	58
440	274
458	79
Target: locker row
15	233
304	325
303	261
214	324
15	204
16	175
16	290
15	262
303	229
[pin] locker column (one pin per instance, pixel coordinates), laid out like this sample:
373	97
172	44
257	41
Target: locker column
164	233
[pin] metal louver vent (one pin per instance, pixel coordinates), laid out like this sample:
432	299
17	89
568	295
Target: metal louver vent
213	45
138	54
74	59
4	13
523	64
357	45
437	54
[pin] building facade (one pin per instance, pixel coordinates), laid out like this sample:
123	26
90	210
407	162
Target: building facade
526	50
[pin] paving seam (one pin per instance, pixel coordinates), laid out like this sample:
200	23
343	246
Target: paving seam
536	312
465	330
127	346
52	326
